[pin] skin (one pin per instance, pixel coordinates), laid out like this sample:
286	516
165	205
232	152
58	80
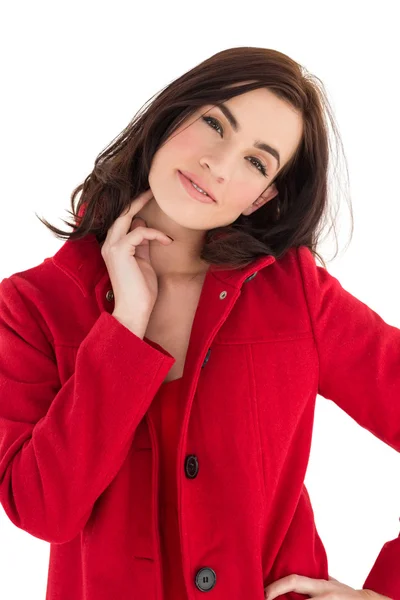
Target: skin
227	163
324	589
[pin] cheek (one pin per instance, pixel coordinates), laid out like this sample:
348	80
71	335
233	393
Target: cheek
184	144
242	194
173	155
176	152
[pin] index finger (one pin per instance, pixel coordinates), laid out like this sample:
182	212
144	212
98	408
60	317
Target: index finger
121	225
137	203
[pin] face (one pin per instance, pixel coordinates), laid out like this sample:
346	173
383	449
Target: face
235	172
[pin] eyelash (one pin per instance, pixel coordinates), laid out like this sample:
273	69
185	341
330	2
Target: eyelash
262	169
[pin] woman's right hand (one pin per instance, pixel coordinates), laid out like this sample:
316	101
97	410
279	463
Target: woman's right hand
126	254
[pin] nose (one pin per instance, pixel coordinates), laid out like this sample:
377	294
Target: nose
218	178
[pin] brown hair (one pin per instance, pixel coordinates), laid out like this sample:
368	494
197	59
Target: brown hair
294	217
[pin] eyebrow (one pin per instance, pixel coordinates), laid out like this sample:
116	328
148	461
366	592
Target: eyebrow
236	127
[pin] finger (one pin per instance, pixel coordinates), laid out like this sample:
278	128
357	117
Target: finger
140	235
136	202
142	249
299	584
121	225
137	222
139	240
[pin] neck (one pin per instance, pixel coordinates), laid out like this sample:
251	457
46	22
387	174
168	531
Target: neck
178	262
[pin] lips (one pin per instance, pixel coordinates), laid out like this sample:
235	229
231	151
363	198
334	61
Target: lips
198	182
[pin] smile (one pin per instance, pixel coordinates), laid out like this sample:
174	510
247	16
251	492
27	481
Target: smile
194	191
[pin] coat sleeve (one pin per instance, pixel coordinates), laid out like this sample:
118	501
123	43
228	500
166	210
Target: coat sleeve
359	370
61	446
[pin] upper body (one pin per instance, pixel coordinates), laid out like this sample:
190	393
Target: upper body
78	454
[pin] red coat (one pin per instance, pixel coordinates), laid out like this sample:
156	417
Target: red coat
78	452
167	410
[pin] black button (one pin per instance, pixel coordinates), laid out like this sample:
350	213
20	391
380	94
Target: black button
205	579
110	295
191	466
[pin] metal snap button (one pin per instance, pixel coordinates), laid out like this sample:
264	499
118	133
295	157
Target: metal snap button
206	358
191	466
251	276
223	295
110	295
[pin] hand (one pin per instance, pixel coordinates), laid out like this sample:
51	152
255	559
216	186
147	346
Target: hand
318	588
126	254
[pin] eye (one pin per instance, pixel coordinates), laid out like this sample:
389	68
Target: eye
259	165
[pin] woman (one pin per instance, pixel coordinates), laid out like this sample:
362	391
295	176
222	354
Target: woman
159	373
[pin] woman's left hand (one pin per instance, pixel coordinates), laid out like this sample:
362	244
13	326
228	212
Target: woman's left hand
318	588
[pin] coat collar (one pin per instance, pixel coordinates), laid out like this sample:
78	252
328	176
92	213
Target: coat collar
82	261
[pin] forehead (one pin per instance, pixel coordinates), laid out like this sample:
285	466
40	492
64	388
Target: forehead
263	100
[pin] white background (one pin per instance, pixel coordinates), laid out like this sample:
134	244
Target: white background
74	74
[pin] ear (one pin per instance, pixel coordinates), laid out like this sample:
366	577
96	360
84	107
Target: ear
270	193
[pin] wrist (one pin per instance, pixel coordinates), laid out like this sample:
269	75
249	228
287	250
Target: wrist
136	326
